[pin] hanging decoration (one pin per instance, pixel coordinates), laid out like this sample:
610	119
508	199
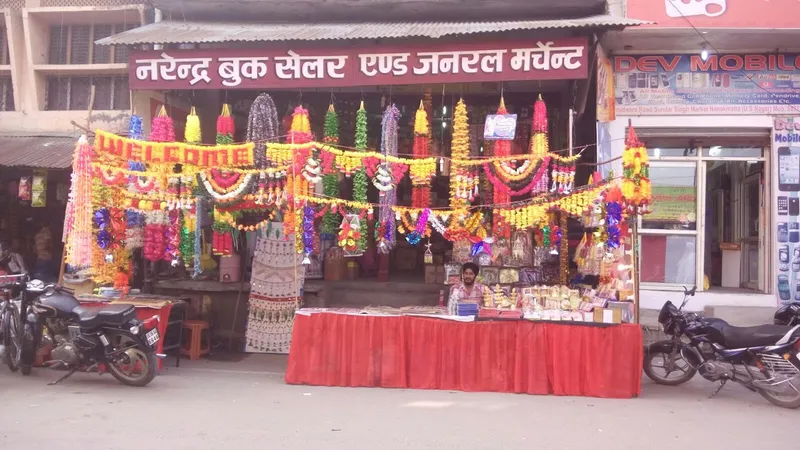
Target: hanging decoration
420	180
223	186
222	226
192	132
300	132
501	147
535	213
415	236
225	126
78	218
540	145
162	128
330	181
636	186
308	233
262	127
510	182
135	130
562	176
463	182
385	239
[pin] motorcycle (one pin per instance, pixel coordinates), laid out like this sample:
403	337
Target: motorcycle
763	359
788	315
94	338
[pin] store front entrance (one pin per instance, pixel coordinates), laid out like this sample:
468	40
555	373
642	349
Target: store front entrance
708	225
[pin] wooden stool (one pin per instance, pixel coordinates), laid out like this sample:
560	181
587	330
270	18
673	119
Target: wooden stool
196	348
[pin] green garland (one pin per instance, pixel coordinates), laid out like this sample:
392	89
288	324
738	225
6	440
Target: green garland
360	179
330	182
186	242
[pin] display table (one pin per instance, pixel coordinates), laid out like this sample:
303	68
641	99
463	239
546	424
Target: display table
497	356
146	306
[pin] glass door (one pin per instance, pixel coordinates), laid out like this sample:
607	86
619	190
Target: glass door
752	226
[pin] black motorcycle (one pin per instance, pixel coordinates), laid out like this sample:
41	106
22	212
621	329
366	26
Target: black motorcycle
763	359
788	314
89	339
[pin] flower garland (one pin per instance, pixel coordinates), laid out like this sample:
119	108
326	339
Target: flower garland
512	188
162	128
330	181
192	132
262	127
155	233
300	131
187	228
463	184
201	216
225	126
223	226
225	188
360	196
420	175
135	128
350	234
173	237
78	216
134	234
636	186
563	176
388	197
540	145
415	236
535	214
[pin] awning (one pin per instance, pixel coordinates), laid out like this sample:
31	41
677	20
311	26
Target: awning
41	152
197	32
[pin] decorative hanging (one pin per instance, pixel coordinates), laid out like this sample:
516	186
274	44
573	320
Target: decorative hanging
78	220
135	128
386	238
420	183
223	186
225	126
510	182
463	183
562	176
300	132
540	145
501	147
163	128
192	132
308	233
636	186
262	127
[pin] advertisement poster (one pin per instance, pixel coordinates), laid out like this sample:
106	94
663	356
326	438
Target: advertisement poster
722	84
734	14
606	102
786	161
500	127
673	204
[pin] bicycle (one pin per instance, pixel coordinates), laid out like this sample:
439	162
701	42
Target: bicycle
11	320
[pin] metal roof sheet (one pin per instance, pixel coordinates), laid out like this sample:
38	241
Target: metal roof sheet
196	32
45	152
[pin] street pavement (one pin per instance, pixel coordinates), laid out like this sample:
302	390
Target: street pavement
246	405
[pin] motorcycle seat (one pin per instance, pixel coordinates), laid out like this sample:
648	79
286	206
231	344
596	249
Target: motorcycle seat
757	336
109	315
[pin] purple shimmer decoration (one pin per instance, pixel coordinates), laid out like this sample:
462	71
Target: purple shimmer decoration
389	199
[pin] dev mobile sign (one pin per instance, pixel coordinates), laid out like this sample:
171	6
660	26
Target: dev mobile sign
723	84
786	207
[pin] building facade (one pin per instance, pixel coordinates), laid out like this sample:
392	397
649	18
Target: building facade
710	87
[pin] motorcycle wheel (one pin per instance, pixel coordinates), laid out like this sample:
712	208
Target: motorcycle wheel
669	366
790	401
11	338
133	360
27	350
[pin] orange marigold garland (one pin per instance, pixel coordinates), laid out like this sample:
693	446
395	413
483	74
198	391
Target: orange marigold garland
636	186
500	228
540	145
463	183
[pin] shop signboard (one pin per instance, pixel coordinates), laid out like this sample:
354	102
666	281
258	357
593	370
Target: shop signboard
734	14
301	67
722	84
786	207
606	101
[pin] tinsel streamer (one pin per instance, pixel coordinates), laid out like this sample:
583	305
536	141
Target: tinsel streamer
308	233
162	128
415	236
388	199
500	227
186	238
225	126
360	181
613	218
77	235
421	188
459	150
330	181
135	128
200	212
262	127
192	132
539	141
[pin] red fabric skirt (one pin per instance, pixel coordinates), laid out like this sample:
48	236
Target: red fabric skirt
497	356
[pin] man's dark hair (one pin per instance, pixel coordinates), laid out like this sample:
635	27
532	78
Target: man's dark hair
472	266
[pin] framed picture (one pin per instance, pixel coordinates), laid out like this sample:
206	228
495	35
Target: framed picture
489	276
521	248
452	273
509	275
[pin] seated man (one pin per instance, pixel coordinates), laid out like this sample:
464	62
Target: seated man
468	291
11	263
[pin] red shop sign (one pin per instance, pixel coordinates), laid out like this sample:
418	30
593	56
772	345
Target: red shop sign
254	68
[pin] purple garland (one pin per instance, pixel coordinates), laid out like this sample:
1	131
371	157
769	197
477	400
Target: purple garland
389	199
308	233
415	236
613	217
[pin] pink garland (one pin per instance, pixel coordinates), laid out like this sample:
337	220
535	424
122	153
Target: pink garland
162	129
501	186
79	215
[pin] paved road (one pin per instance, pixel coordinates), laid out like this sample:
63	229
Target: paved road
246	405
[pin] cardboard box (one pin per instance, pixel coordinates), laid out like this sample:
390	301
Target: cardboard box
607	315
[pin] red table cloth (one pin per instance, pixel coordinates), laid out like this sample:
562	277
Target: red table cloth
497	356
